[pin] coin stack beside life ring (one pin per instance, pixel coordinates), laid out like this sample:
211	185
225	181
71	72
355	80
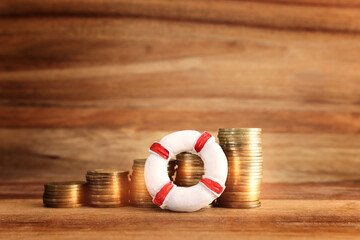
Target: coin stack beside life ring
190	169
65	194
139	195
242	147
108	188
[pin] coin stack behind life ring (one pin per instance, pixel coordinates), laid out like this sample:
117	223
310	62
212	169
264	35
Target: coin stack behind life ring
242	147
190	169
108	188
139	195
65	194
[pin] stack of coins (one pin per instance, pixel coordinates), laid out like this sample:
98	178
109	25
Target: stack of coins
190	169
139	195
172	165
64	194
242	147
108	188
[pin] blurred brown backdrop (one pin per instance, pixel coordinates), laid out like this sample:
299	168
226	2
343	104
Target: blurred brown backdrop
87	84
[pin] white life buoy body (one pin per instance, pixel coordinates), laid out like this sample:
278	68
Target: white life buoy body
185	199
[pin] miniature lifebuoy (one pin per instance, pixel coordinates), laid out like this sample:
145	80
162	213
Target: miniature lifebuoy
185	199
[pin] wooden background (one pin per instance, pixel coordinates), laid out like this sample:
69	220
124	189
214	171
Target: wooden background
87	84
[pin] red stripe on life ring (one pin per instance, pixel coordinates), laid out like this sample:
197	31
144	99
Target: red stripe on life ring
160	150
212	185
161	195
201	141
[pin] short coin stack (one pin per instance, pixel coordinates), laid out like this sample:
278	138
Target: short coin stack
242	147
139	195
108	188
65	194
190	169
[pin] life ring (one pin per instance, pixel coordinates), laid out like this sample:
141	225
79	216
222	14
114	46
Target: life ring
185	199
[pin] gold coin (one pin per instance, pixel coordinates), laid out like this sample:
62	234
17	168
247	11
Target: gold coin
75	205
244	159
65	193
138	184
143	192
233	167
239	182
248	155
186	184
241	147
107	172
240	129
113	191
241	142
51	199
64	185
189	175
109	187
140	198
239	136
245	172
46	194
187	155
109	192
138	181
107	177
234	179
244	188
239	161
140	161
107	199
138	167
241	198
108	183
138	191
189	165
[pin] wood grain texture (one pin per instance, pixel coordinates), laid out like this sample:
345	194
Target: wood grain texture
130	87
334	16
276	219
93	83
303	211
311	211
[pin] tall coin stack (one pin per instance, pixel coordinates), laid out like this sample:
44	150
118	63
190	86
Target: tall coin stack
108	188
139	195
190	169
65	194
242	147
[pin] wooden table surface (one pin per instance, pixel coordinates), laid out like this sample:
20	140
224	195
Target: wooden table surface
307	210
92	84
